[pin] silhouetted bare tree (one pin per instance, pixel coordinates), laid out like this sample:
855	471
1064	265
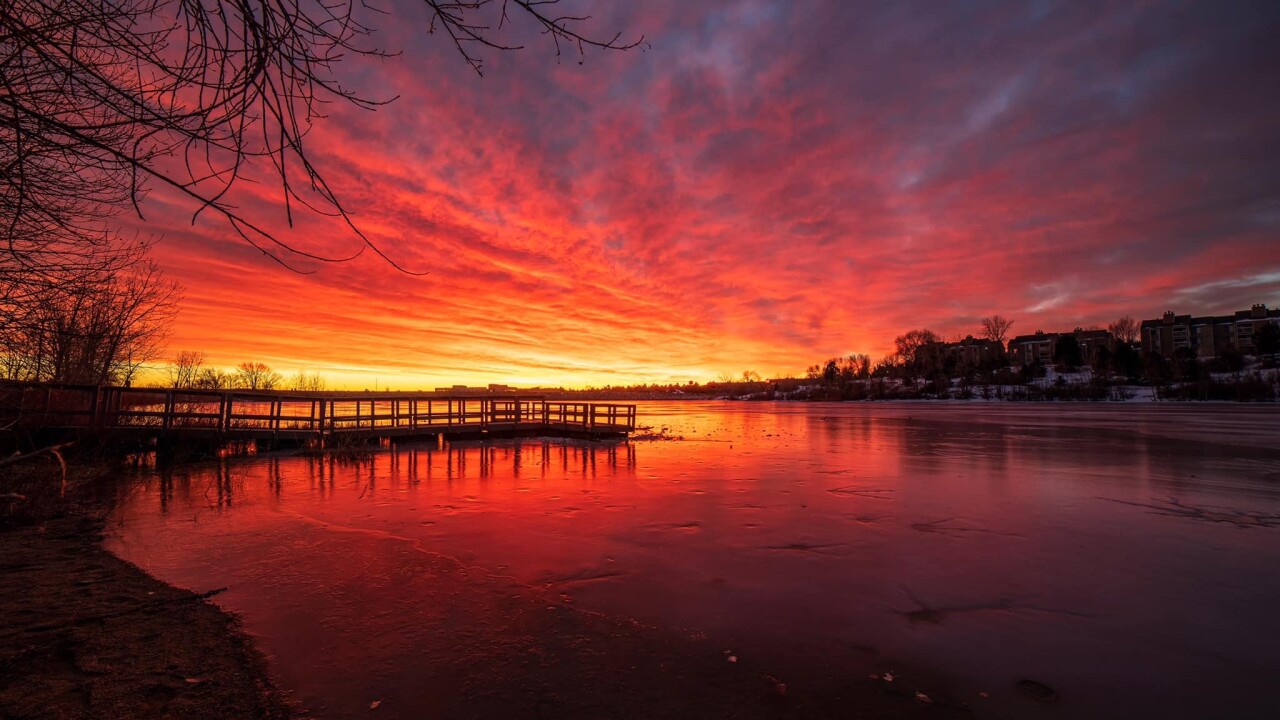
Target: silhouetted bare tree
996	328
99	329
912	352
99	99
212	379
256	376
911	341
185	369
1125	329
307	382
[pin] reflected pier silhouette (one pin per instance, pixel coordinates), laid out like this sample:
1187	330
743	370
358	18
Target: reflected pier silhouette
223	485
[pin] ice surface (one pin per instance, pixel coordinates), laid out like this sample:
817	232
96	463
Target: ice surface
1124	555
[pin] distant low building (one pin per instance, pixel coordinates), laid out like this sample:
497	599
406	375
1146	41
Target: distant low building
1093	342
1206	336
468	390
460	390
1042	346
1039	347
1167	335
971	351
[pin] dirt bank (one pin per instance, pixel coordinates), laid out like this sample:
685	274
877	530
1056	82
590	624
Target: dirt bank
87	635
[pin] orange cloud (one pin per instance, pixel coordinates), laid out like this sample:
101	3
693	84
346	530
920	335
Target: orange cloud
767	187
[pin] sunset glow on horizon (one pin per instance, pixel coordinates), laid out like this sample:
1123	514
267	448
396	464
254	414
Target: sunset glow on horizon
766	186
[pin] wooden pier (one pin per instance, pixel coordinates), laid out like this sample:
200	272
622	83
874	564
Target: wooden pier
297	417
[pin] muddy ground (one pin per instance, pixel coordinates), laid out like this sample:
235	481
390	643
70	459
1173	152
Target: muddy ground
87	635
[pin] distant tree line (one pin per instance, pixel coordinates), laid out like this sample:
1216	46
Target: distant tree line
188	371
923	365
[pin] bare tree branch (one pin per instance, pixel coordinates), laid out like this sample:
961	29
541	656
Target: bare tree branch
99	99
996	328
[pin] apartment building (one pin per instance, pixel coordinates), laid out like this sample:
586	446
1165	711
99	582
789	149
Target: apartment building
1206	336
1027	349
1042	346
973	351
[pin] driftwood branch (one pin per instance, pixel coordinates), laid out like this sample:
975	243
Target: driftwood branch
90	619
51	450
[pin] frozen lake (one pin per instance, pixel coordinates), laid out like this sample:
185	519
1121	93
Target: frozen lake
1126	556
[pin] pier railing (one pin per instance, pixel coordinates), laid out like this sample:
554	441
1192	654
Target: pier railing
257	413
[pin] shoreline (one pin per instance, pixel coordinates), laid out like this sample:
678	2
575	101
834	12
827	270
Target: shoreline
90	635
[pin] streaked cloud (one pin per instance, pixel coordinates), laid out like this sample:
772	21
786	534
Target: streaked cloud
769	185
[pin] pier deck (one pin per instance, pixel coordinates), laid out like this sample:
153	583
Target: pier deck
298	416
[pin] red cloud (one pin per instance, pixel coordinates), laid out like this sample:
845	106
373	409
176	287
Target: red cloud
764	188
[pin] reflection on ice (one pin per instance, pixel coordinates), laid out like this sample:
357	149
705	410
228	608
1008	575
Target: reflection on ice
1123	557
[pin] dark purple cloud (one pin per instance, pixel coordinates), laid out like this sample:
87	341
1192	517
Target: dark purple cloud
773	183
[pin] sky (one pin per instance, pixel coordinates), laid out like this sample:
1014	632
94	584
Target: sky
761	186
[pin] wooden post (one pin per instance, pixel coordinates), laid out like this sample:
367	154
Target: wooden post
167	417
